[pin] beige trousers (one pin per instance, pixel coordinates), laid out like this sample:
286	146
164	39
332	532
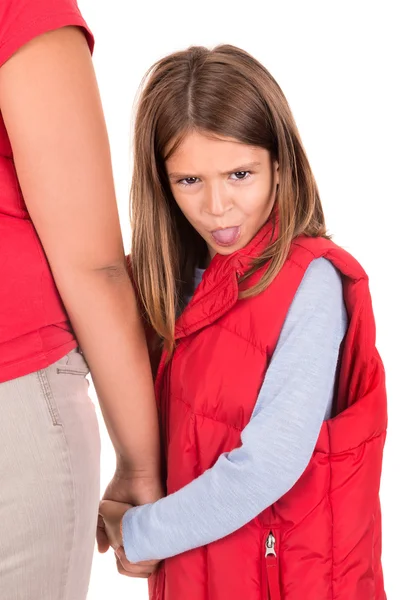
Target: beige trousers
49	483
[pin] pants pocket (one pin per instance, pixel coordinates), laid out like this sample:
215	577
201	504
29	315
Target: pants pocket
63	379
49	398
73	364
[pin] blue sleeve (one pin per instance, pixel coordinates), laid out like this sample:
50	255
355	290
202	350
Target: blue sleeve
278	442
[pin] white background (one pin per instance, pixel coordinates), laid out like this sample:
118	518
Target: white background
338	65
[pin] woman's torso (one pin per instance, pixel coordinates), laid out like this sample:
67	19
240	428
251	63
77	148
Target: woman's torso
34	327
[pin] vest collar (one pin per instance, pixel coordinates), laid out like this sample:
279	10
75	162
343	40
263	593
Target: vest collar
218	291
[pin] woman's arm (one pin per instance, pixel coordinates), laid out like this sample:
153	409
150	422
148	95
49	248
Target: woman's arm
50	103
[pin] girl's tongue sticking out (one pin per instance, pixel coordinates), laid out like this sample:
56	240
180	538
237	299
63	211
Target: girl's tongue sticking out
226	237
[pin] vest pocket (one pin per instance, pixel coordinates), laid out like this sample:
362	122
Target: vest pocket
271	565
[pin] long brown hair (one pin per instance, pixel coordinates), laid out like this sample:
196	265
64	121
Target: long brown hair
225	92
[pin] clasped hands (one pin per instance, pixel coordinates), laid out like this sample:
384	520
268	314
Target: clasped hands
122	494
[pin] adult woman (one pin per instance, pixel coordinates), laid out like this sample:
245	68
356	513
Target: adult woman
58	218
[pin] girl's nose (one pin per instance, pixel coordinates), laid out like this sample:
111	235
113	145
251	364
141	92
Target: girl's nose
217	201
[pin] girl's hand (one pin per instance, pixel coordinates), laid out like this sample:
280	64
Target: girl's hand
129	489
111	514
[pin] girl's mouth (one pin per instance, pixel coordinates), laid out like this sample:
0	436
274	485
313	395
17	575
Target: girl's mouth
226	237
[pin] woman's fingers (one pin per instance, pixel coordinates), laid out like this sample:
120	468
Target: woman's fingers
102	540
109	534
133	570
143	569
112	513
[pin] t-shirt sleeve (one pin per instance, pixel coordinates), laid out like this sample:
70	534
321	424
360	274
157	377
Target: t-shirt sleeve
23	20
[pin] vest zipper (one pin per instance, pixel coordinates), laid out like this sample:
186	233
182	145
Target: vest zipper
273	588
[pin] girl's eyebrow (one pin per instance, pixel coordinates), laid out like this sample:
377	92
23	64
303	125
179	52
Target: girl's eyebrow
245	167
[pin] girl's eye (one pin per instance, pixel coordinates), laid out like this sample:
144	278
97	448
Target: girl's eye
189	181
240	175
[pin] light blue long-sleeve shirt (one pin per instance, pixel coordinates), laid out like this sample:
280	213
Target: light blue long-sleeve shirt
277	443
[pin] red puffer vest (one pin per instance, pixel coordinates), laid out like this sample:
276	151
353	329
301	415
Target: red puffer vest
322	540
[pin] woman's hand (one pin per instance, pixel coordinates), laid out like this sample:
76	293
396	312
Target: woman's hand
111	514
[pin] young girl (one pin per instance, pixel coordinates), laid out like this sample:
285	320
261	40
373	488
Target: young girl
270	390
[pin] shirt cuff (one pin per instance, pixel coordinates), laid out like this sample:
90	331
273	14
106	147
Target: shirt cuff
128	537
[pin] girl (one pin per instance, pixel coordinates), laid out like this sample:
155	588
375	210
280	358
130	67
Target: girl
270	390
60	236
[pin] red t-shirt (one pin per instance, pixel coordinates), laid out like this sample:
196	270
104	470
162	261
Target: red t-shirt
34	328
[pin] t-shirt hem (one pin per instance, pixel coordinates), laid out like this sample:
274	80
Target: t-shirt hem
35	363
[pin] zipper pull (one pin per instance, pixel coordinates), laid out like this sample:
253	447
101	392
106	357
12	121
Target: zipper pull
270	545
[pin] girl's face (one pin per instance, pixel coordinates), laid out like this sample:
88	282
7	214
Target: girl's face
225	189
